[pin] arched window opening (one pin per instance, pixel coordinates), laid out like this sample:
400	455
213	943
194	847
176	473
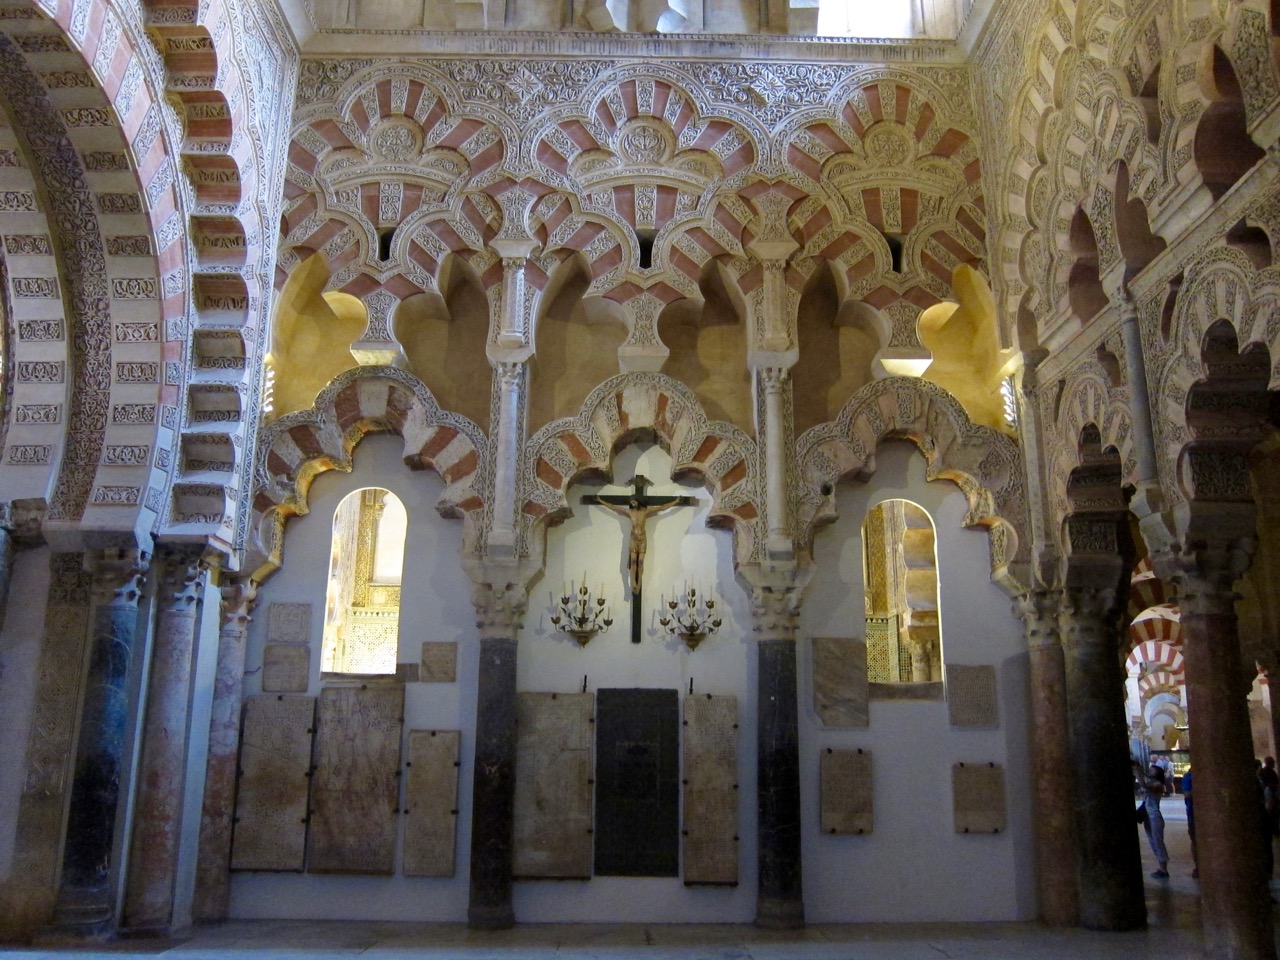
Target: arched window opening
362	608
1084	283
904	640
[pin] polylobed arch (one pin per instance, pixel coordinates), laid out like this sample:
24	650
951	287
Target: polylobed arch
651	406
1089	402
297	448
985	464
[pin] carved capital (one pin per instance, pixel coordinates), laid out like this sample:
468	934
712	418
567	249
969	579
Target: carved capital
509	374
500	608
773	378
23	519
1039	611
1205	574
1085	614
238	599
182	571
117	575
775	612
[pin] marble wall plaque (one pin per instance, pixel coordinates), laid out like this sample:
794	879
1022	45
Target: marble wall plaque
439	663
710	790
845	791
971	696
637	783
271	800
286	668
289	623
977	795
431	803
840	681
355	790
553	800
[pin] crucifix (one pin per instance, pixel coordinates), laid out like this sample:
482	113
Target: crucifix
637	507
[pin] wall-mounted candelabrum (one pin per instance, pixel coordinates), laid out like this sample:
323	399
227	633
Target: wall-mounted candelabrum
579	615
690	618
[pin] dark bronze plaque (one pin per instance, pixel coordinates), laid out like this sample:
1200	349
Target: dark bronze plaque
637	783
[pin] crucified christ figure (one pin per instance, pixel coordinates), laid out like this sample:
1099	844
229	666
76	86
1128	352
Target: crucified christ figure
637	507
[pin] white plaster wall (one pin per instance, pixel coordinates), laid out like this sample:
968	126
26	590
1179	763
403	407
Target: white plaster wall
19	676
681	549
913	866
436	605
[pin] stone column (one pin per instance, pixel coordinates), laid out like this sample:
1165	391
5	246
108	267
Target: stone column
773	380
780	901
86	903
157	820
1109	862
501	541
19	527
500	608
1234	895
1050	758
213	876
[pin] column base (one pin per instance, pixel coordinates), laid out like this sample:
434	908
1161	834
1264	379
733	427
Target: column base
776	914
491	918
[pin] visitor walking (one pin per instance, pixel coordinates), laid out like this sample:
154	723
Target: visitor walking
1152	790
1189	802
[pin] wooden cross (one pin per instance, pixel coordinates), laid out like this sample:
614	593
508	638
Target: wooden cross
637	507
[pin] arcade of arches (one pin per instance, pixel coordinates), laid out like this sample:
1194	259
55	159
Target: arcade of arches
742	473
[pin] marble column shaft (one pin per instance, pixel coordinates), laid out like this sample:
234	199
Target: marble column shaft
86	900
1235	900
781	898
1051	759
493	791
153	854
213	864
1109	860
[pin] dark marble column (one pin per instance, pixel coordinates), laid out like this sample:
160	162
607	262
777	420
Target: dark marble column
781	898
213	864
1109	860
1050	759
494	775
157	819
86	902
1235	901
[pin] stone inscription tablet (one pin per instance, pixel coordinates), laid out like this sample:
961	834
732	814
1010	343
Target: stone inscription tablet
355	790
431	803
286	668
289	623
971	696
271	801
710	790
845	791
977	792
439	663
840	681
553	786
637	789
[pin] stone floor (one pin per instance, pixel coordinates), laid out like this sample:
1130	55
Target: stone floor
1173	906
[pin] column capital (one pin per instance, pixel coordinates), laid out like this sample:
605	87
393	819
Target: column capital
1039	610
23	519
1205	574
1084	613
239	596
182	568
509	372
776	594
500	608
117	574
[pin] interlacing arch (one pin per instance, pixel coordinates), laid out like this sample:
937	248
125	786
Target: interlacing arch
654	407
896	199
295	449
645	155
114	253
985	464
1221	285
1088	400
413	154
